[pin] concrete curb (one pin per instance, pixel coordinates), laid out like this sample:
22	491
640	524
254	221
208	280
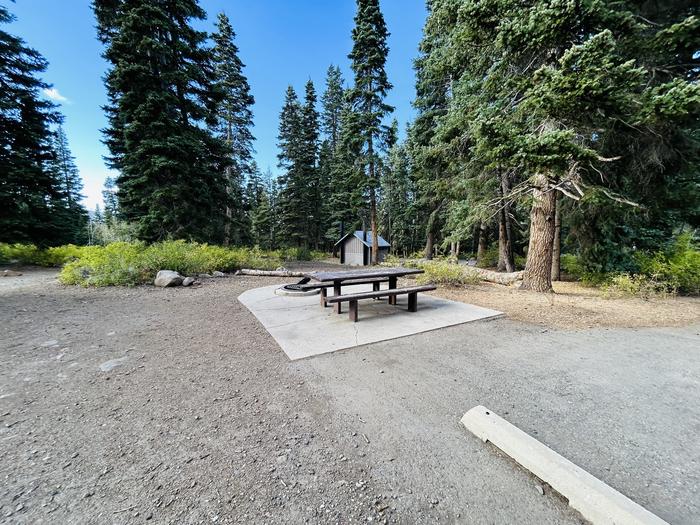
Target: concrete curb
596	501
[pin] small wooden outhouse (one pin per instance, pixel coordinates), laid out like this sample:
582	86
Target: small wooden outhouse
356	248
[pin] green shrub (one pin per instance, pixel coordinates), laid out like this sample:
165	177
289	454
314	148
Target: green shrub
131	263
489	259
19	254
30	254
678	266
643	286
441	271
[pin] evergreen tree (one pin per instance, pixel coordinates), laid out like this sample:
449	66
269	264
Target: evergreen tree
292	208
110	199
235	120
312	195
71	215
558	98
332	101
367	96
162	104
397	209
31	195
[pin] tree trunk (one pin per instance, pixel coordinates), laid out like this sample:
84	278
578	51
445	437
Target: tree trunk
538	269
506	261
481	250
429	242
373	204
556	245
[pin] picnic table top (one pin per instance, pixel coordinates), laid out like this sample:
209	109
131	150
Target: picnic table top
359	274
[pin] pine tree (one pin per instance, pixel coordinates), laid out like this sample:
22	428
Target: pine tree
31	196
290	142
162	103
71	214
398	206
367	96
235	120
312	195
111	200
332	101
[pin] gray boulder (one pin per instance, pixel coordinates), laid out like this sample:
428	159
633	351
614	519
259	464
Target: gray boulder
218	274
188	281
204	276
168	278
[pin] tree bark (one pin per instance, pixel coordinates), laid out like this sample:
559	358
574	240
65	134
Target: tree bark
429	243
481	250
506	261
538	269
270	273
373	205
556	244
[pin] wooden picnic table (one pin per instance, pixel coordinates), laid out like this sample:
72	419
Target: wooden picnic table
337	278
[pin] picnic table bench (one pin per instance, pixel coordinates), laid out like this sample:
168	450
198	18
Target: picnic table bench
375	277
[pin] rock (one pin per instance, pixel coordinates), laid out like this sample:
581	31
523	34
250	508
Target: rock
168	278
204	276
281	269
218	274
188	281
540	489
11	273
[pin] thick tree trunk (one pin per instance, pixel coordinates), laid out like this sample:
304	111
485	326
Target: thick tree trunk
481	250
373	205
556	244
538	269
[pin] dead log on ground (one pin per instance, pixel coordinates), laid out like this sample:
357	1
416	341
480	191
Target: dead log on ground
269	273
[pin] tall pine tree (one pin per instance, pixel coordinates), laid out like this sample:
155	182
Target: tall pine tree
234	123
162	105
367	96
71	213
31	196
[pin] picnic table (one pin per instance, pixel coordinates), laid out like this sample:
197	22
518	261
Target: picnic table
354	277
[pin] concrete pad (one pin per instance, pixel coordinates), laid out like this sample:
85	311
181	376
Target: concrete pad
597	502
303	328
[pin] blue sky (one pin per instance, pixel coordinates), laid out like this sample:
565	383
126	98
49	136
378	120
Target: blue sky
281	42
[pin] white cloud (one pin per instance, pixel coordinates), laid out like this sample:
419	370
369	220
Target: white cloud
54	95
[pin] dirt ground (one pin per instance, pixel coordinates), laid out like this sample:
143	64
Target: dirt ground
137	405
574	306
104	418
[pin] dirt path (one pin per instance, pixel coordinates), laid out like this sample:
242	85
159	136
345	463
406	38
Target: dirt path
174	405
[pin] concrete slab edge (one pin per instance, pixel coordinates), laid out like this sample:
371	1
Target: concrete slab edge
596	501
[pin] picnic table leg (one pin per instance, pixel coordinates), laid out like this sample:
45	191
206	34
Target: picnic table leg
323	297
353	311
413	302
392	285
336	291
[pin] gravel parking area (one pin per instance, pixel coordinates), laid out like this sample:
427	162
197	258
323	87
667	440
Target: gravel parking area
175	405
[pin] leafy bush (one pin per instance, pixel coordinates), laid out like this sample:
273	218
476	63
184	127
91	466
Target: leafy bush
678	267
445	272
643	286
30	254
131	263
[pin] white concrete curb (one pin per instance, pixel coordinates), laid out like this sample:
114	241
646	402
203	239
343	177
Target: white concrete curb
596	501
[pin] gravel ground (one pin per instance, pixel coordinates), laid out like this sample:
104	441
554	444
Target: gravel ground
175	405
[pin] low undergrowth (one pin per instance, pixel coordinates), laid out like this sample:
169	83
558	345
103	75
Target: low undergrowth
132	263
444	271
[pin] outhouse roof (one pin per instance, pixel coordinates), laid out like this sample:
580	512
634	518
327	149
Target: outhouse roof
360	234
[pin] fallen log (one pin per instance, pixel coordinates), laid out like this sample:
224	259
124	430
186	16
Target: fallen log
495	277
269	273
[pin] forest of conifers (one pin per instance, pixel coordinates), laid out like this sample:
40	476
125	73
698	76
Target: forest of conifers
541	127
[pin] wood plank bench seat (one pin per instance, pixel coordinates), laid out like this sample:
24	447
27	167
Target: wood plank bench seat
375	282
353	298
